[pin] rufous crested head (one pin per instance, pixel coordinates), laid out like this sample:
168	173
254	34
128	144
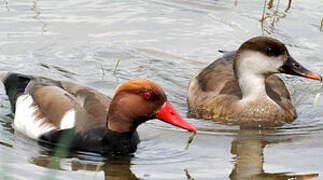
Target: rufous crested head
140	86
139	100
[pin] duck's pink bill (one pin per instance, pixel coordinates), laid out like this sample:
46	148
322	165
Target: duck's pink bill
168	114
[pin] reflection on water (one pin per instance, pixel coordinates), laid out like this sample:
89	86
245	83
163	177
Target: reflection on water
167	41
118	169
272	14
248	149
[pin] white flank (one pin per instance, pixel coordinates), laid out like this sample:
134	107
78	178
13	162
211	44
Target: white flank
25	120
68	119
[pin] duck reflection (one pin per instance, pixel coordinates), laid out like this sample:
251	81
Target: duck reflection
248	149
113	169
272	14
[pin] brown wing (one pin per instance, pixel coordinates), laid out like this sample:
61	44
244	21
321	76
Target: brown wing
52	103
278	92
92	101
213	90
54	99
219	77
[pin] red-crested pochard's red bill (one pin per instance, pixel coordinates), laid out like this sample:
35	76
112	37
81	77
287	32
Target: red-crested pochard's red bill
168	114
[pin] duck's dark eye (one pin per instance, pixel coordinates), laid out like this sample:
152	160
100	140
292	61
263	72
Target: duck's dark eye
147	95
269	51
273	51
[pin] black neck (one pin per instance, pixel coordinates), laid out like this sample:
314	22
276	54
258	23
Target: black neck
120	143
14	85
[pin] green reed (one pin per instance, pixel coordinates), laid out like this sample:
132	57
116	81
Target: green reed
61	151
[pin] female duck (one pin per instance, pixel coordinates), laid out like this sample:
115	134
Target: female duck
47	110
241	87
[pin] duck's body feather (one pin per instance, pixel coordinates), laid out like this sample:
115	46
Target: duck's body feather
63	104
46	109
27	122
54	112
214	93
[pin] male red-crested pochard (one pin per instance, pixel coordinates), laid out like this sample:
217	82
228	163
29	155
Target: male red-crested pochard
242	88
45	109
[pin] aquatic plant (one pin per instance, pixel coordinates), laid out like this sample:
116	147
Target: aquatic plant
316	100
61	151
189	141
116	68
272	15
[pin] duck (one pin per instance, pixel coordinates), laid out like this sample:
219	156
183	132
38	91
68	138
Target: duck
51	111
242	87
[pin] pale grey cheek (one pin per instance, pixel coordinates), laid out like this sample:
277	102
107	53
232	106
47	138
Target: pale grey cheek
274	64
280	64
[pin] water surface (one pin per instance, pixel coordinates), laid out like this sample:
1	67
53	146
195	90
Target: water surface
167	41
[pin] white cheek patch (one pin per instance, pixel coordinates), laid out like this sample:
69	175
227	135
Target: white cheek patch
25	120
256	62
272	64
68	119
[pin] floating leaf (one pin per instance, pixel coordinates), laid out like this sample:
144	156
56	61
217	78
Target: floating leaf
316	100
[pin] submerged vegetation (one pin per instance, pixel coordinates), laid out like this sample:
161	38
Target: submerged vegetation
116	68
169	41
272	14
190	140
316	100
61	151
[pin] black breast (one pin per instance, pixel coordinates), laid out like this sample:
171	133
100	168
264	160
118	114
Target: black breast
98	140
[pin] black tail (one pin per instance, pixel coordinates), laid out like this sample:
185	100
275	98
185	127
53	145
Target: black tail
15	84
